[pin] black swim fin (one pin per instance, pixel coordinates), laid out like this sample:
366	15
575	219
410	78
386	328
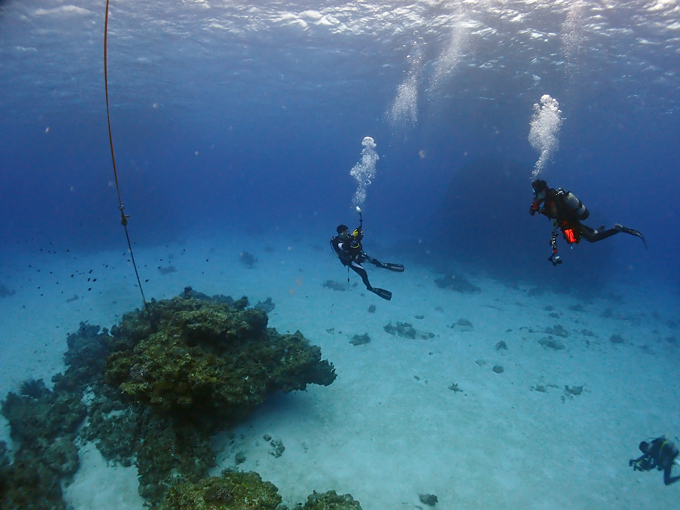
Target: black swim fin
639	234
632	232
385	294
398	268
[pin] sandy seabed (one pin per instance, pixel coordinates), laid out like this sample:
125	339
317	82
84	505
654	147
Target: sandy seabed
430	415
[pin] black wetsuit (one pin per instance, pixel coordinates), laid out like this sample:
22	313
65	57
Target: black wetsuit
350	253
660	454
567	220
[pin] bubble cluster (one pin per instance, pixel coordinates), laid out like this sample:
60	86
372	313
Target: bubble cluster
452	54
545	128
572	36
404	110
364	170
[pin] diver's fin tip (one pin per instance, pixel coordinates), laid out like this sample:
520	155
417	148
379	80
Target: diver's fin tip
385	294
398	268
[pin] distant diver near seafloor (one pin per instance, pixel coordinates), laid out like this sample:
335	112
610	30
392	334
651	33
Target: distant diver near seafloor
349	250
567	212
661	454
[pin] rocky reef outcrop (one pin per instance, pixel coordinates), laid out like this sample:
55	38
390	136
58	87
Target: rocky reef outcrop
154	389
230	491
43	426
188	357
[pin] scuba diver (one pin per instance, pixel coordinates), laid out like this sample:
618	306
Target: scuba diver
567	211
350	252
660	454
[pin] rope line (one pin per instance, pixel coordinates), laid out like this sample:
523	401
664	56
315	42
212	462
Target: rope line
121	207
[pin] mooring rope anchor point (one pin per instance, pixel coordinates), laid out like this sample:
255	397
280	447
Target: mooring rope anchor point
123	217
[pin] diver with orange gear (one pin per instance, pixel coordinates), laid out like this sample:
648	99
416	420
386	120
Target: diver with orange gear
567	212
349	250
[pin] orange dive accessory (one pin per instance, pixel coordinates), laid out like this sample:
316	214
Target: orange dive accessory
570	236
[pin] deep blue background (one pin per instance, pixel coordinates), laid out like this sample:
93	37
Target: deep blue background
261	141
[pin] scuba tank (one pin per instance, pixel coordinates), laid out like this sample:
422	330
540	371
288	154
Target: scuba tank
571	202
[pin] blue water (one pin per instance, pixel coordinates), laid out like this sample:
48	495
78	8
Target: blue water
229	117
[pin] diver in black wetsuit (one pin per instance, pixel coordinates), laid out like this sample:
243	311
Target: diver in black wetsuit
660	454
567	211
350	252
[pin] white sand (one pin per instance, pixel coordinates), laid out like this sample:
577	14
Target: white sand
389	427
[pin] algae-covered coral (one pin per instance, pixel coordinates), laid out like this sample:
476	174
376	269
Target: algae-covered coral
153	389
192	365
245	491
331	501
43	428
232	491
195	357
